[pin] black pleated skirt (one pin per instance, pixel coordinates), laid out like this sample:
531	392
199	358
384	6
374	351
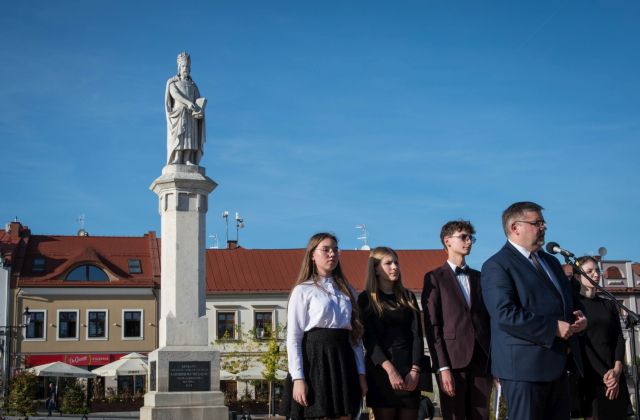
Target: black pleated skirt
332	377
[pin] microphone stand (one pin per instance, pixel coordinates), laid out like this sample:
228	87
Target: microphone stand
632	319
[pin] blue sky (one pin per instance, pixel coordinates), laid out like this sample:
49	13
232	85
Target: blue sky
326	114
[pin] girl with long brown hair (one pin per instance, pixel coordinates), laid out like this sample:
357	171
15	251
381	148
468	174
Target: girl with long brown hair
324	346
392	339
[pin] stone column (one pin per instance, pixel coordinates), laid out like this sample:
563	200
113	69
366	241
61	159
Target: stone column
184	377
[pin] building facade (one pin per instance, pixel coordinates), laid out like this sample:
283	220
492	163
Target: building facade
90	300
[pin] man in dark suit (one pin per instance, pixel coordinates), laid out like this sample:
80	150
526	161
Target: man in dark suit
533	320
457	328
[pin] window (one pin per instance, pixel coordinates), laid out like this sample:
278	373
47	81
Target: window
230	390
97	324
262	390
263	323
135	267
36	330
38	265
67	324
226	325
132	322
613	273
87	272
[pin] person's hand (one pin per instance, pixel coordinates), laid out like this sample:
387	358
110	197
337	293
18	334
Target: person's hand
363	385
580	324
564	330
448	383
411	380
496	383
611	378
300	392
612	392
394	377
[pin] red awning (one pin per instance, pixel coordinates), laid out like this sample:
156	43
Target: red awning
73	359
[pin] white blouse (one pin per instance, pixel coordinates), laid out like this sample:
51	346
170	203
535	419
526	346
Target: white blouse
317	305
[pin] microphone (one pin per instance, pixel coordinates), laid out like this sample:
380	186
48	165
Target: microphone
554	248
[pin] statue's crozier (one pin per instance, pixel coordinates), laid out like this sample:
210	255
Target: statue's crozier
185	116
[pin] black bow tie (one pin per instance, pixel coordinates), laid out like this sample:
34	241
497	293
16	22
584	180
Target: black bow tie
462	270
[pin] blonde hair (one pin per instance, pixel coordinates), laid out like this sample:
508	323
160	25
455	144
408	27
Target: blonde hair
308	272
372	283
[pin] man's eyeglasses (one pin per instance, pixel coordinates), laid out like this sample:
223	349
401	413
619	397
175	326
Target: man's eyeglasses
328	250
536	223
464	237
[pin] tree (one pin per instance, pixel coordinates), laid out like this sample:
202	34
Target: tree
73	399
246	350
272	359
24	387
236	354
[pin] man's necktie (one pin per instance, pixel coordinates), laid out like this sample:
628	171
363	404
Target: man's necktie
536	263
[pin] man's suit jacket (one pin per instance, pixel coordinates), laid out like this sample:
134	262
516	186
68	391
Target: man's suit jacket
452	326
525	308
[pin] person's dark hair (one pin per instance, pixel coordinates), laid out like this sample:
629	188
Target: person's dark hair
308	272
516	211
582	261
454	226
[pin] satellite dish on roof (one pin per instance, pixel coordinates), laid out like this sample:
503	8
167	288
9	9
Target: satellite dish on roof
82	232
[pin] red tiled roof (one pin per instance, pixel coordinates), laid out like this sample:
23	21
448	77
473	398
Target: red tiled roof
636	269
63	253
227	270
275	270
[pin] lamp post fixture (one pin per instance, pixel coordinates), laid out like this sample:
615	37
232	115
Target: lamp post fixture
11	333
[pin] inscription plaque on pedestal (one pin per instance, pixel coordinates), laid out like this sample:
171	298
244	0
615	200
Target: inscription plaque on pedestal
152	376
189	376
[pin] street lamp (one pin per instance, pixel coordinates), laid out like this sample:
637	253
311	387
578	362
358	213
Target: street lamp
11	332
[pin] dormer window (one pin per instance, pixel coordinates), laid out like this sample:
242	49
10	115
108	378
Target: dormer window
38	265
87	272
135	267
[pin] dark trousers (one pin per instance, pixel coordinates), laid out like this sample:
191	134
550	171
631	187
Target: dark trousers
472	390
51	405
537	400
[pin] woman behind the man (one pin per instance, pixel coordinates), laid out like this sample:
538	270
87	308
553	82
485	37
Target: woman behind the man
392	338
324	346
603	389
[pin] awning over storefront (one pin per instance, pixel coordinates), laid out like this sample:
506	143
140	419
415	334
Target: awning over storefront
91	359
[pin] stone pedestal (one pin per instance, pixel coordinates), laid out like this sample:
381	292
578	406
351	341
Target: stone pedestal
184	378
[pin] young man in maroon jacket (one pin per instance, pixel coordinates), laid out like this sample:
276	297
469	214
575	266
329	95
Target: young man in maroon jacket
457	328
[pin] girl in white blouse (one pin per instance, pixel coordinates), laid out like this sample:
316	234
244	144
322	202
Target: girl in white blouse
324	345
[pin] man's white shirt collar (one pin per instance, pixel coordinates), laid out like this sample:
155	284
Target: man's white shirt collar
524	251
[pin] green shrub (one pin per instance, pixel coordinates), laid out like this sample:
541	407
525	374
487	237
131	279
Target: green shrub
24	387
73	400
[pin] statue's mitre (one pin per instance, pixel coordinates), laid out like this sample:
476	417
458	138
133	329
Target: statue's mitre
184	57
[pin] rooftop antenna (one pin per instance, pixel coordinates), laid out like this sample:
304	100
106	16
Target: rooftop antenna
225	216
81	231
364	236
239	225
214	238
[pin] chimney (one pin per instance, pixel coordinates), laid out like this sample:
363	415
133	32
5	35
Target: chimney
16	230
232	244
